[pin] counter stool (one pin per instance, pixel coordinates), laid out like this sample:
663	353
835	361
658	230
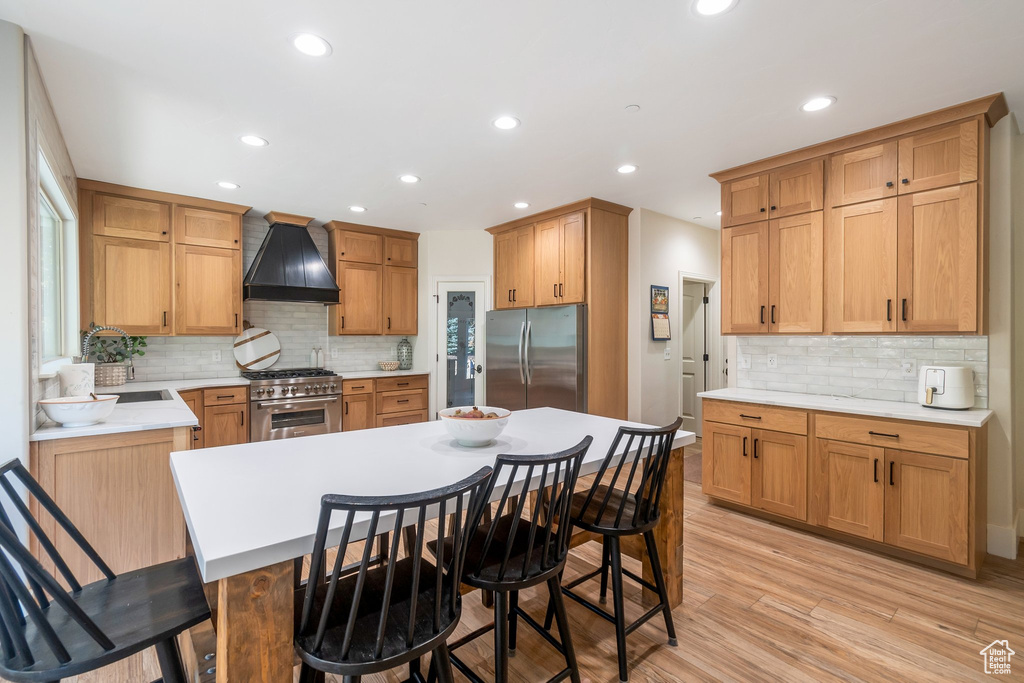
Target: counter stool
630	509
48	633
510	552
382	617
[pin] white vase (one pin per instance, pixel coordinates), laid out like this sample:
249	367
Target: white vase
77	379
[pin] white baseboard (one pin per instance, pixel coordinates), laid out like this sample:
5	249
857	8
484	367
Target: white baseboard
1020	523
1003	540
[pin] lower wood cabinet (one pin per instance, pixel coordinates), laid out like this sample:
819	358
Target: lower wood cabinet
725	467
223	414
850	488
358	412
778	481
384	402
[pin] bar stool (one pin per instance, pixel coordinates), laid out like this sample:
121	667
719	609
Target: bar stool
382	617
510	552
614	512
48	633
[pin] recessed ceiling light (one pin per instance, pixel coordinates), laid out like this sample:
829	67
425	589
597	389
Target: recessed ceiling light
357	209
506	122
254	140
522	205
632	107
628	168
312	45
718	213
228	185
407	178
818	103
709	8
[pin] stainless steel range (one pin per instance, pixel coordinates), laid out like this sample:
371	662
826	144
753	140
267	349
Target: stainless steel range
296	402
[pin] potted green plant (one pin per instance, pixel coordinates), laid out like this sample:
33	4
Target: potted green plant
110	353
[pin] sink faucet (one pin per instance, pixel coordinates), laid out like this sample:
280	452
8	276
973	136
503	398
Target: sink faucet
127	341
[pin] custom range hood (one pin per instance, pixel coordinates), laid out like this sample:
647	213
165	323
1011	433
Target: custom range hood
288	266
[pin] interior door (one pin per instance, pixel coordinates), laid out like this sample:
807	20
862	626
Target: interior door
461	344
779	474
861	253
853	487
745	279
694	367
796	272
926	504
725	463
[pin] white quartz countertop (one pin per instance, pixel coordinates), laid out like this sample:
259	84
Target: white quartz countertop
974	417
138	417
253	505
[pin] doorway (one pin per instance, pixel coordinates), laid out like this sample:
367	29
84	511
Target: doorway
695	357
461	312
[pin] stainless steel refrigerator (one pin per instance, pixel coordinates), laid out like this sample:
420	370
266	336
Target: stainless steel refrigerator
536	358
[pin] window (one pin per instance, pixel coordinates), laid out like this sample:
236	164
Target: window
57	274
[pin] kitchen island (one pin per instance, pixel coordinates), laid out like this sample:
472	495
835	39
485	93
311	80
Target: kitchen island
252	509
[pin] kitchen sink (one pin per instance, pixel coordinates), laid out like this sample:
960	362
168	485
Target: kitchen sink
144	396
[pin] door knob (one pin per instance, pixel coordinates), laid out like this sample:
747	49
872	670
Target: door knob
479	369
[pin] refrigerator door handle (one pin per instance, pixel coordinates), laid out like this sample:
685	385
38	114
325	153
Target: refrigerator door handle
522	336
526	356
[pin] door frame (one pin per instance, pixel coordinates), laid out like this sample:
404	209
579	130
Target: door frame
438	394
714	341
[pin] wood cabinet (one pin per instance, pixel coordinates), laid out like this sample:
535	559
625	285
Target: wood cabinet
156	264
725	462
514	268
937	157
796	274
384	402
795	189
358	412
559	257
861	261
852	488
745	200
208	290
864	174
938	260
745	279
376	271
778	481
194	400
225	425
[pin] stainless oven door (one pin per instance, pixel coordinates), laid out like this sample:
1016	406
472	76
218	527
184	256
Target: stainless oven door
287	418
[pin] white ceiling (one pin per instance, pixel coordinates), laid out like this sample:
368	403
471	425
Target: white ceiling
155	94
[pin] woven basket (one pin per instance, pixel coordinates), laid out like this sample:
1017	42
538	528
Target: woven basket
111	374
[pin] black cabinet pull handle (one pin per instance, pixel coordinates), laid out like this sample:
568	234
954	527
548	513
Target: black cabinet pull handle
400	384
892	464
888	310
773	314
744	447
554	290
905	181
773	208
560	295
755	449
346	412
904	310
888	184
404	400
510	295
876	470
762	315
891	436
389	322
762	209
513	295
165	320
236	320
342	322
242	412
750	417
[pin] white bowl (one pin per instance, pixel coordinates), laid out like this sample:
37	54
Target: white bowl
79	411
474	432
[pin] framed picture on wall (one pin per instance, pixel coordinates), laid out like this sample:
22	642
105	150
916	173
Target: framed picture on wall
660	328
659	299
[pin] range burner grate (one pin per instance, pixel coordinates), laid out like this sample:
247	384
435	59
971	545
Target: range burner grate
290	373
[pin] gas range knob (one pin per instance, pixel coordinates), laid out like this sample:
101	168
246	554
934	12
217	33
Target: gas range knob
259	392
332	386
294	390
271	391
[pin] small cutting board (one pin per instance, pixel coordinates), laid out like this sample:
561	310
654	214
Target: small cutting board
257	349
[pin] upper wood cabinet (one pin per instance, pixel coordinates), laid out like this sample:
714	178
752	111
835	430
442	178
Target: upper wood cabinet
207	228
130	282
861	262
852	488
796	189
745	279
514	255
208	290
375	268
864	174
937	157
938	260
559	257
725	463
745	200
114	216
795	273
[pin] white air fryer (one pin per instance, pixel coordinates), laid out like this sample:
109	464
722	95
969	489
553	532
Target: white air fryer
947	387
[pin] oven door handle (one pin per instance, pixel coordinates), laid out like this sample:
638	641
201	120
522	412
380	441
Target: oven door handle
285	404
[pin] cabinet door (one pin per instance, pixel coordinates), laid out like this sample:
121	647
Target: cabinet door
852	488
926	504
208	290
547	262
362	296
132	285
745	279
194	401
798	188
942	156
399	251
745	201
725	465
360	247
506	265
358	412
522	285
572	286
861	262
130	218
207	228
938	260
400	302
225	425
407	418
779	473
863	174
796	265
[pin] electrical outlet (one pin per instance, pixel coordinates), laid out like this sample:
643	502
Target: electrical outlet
744	362
334	353
908	368
773	360
216	356
668	353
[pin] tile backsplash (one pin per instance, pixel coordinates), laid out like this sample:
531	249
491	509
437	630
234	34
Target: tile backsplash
864	367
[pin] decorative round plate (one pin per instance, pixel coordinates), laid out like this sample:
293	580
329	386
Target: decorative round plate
257	349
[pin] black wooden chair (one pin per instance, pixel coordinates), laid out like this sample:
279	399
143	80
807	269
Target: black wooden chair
510	552
617	506
373	619
48	633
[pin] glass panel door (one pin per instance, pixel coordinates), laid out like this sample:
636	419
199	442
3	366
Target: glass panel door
460	342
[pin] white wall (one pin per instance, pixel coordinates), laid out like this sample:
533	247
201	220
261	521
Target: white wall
660	248
1017	201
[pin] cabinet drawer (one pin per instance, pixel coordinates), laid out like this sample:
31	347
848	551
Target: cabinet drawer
356	386
402	383
406	418
225	396
757	416
401	401
902	435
